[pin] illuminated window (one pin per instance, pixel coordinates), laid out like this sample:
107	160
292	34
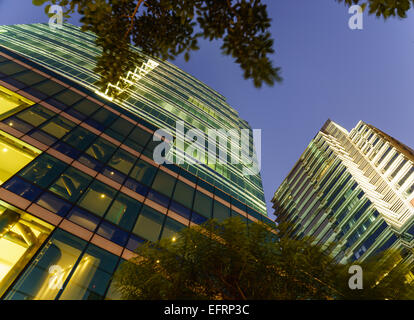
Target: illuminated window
92	275
14	155
21	235
46	275
11	103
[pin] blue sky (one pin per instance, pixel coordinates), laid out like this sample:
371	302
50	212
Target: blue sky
329	71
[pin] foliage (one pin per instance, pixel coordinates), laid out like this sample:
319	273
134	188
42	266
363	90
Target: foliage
229	261
384	8
167	28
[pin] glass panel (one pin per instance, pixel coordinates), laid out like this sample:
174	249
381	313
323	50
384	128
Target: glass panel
11	103
138	138
171	228
221	212
71	184
58	126
86	107
101	150
124	211
203	204
21	235
92	275
183	194
54	204
164	183
112	233
97	198
43	170
29	78
68	97
49	87
47	273
122	160
80	138
143	172
36	115
14	155
83	218
22	188
149	224
9	68
104	117
120	129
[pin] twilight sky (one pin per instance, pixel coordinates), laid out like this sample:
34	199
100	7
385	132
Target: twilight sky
329	71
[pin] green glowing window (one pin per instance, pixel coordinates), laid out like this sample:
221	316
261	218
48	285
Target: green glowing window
21	235
14	155
124	211
11	103
97	198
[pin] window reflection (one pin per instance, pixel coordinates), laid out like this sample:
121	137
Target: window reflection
14	155
49	271
21	235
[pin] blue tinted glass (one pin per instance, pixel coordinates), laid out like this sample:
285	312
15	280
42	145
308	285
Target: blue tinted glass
83	218
158	198
134	242
56	103
18	124
181	210
66	150
54	204
198	219
43	137
22	188
110	232
113	174
137	187
90	162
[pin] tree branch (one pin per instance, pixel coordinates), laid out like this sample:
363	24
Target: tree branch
132	18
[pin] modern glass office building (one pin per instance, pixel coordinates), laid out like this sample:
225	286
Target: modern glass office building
79	190
352	192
